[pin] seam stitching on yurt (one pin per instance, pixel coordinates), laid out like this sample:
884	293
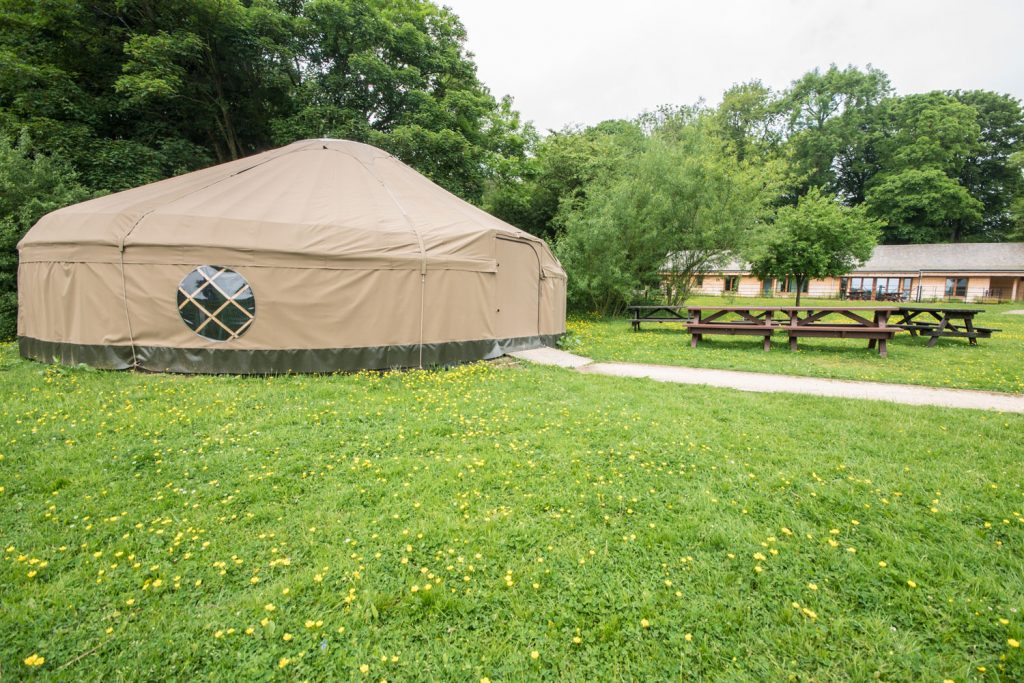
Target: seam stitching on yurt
419	241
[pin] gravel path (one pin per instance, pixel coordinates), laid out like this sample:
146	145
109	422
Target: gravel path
762	382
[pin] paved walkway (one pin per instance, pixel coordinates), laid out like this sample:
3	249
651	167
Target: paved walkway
763	382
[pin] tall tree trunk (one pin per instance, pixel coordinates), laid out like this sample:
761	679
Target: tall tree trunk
799	288
224	123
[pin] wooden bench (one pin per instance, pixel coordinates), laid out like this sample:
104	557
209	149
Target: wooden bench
650	314
698	330
938	322
796	321
879	335
925	330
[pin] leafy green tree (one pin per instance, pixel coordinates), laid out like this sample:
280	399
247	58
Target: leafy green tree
817	238
31	185
131	91
395	74
923	144
681	204
750	117
827	114
552	181
922	206
988	172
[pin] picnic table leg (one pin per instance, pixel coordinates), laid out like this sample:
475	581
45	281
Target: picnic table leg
792	343
767	342
969	324
882	351
694	338
871	343
938	330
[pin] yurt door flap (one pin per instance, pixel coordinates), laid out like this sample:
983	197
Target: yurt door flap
518	290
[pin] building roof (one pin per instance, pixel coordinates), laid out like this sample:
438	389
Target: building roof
963	256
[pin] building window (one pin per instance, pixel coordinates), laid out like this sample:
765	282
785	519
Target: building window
216	303
732	283
860	287
956	286
844	286
791	285
700	280
766	287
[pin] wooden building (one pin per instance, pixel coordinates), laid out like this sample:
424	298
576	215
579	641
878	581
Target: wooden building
898	272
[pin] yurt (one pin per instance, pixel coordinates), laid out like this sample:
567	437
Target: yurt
320	256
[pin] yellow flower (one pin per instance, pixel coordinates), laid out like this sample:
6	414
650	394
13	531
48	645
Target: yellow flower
283	662
1013	643
883	564
534	655
286	637
485	679
218	634
688	637
813	586
645	623
34	660
254	580
577	640
364	668
911	583
269	607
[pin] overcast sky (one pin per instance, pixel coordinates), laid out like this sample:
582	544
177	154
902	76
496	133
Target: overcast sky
584	61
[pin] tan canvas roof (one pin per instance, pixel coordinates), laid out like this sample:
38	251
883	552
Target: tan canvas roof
326	203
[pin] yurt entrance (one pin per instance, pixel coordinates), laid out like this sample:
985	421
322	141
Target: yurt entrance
518	285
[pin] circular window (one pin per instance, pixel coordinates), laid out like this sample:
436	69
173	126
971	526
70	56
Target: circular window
216	302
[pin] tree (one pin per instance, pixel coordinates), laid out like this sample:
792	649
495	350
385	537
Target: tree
988	172
817	238
551	182
750	117
396	74
922	206
681	204
31	184
922	146
827	113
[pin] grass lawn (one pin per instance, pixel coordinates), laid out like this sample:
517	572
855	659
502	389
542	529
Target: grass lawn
995	364
503	523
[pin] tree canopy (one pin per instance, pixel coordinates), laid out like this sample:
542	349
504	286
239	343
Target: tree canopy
677	206
131	91
816	238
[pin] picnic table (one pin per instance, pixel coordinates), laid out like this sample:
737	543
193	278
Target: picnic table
938	322
856	322
655	314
